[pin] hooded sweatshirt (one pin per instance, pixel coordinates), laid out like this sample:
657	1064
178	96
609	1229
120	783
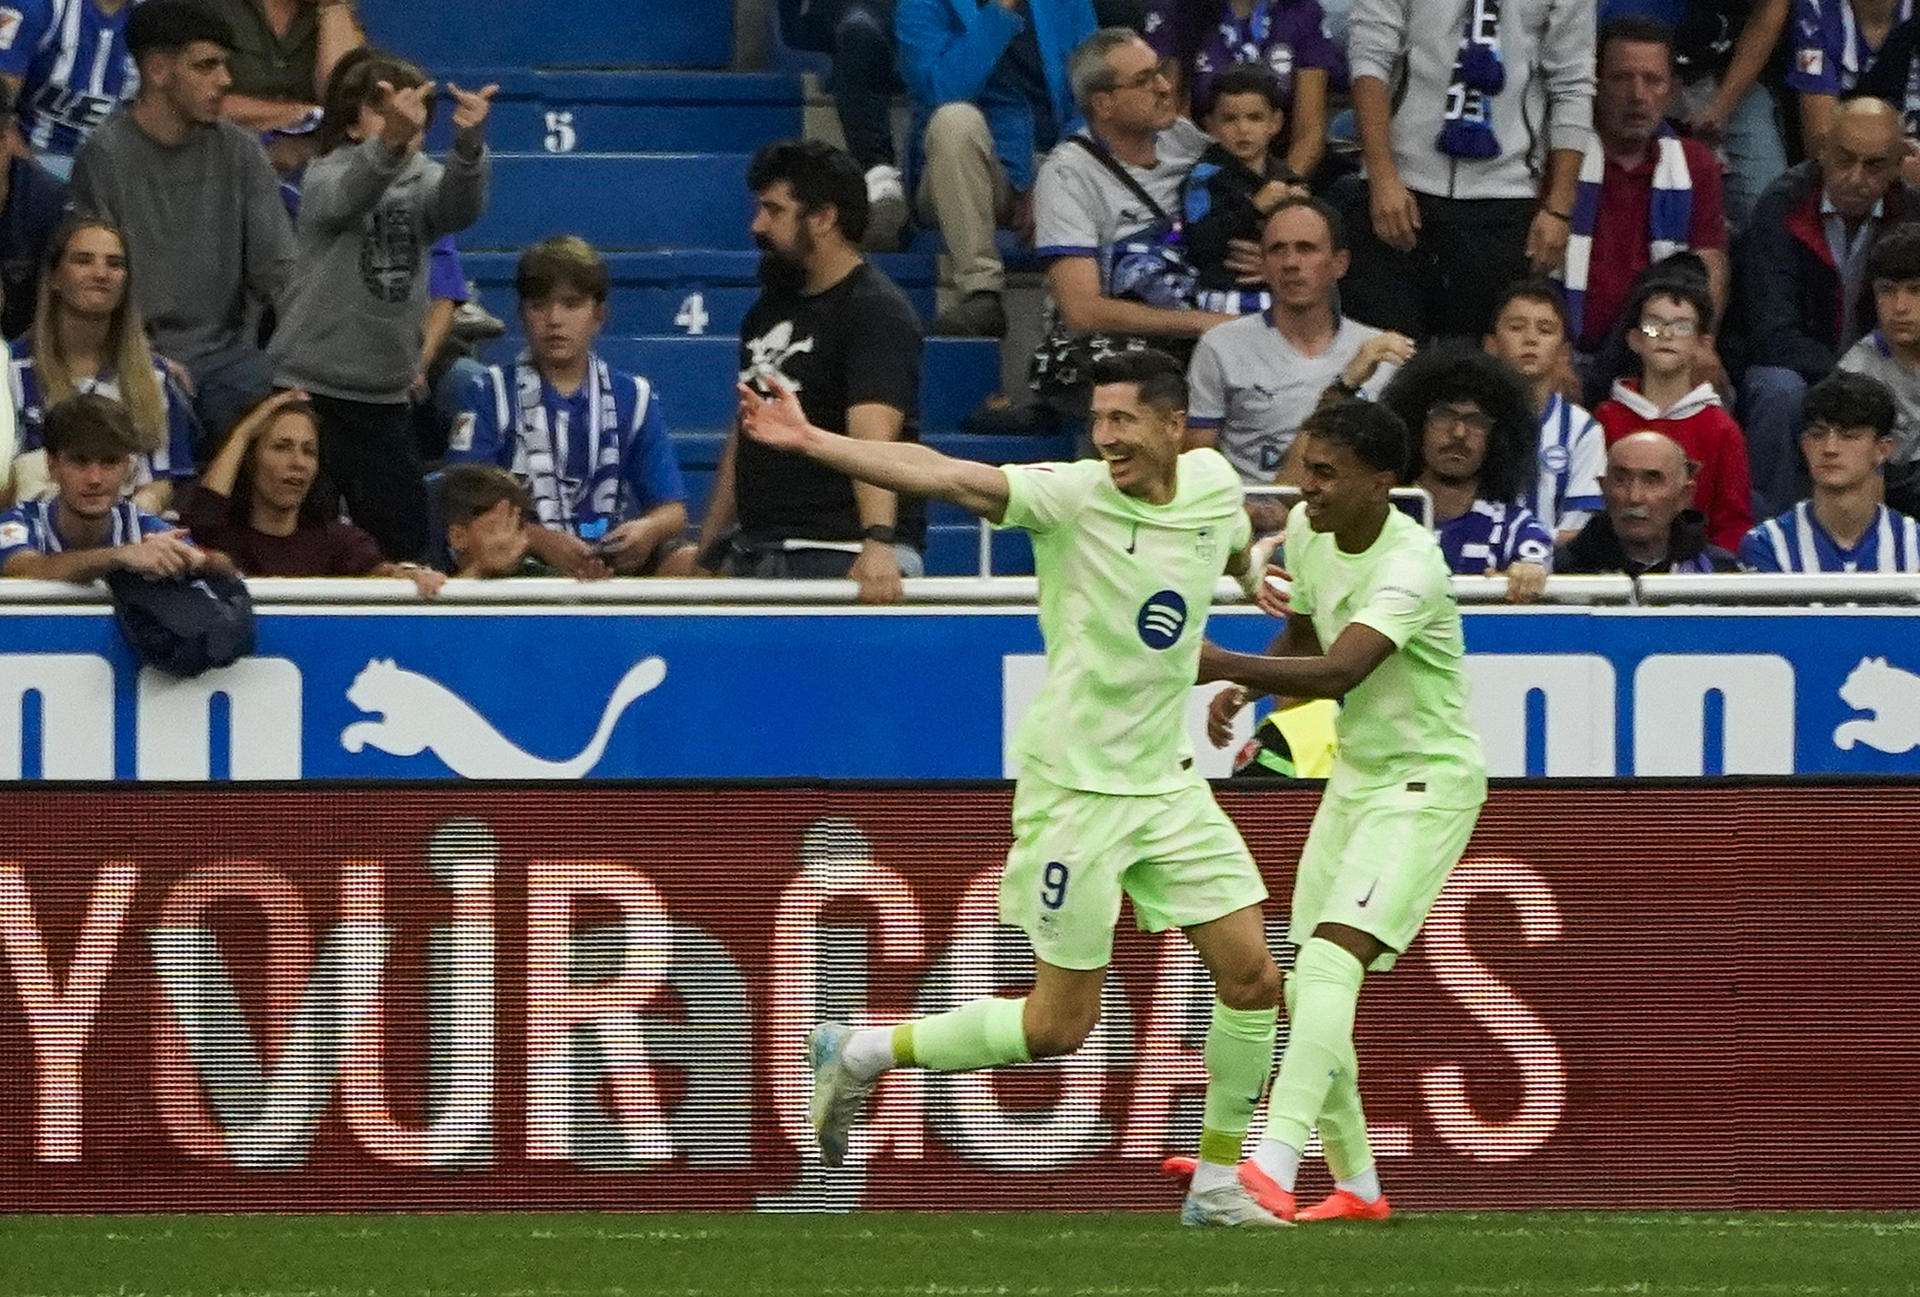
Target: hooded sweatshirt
1722	486
351	321
1547	48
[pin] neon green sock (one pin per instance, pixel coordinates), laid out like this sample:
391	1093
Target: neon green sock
985	1033
1342	1121
1239	1054
1320	1043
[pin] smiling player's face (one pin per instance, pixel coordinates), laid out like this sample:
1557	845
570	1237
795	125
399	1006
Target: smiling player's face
1339	488
1140	442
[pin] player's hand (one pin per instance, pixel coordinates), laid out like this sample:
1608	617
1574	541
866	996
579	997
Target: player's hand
776	420
470	107
1220	713
1396	216
1526	582
1244	263
1547	242
1275	600
403	113
164	553
877	570
1381	349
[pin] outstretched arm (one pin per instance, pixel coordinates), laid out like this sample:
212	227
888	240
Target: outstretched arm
905	467
1329	675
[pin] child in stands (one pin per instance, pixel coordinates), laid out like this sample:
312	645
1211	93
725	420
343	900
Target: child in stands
350	330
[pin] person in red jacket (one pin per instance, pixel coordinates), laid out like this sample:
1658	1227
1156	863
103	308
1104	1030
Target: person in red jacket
1669	338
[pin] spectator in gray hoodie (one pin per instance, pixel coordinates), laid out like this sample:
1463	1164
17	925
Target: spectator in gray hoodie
200	205
371	207
1472	122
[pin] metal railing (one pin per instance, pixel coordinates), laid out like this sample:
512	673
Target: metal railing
1764	590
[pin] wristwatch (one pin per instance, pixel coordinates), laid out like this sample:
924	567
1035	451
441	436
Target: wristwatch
882	535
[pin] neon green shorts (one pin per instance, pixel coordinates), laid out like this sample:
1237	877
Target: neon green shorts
1177	855
1377	863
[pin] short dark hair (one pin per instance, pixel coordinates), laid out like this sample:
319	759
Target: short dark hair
1336	227
469	490
1896	254
1246	79
90	426
1848	400
1532	288
352	86
1634	29
1161	379
1453	373
1679	288
821	176
565	261
169	25
1376	435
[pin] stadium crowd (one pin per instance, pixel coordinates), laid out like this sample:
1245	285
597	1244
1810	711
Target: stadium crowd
1565	242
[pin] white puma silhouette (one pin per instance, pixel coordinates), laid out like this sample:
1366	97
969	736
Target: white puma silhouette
417	713
1893	696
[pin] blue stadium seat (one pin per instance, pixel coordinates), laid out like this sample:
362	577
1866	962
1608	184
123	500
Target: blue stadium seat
631	112
557	33
653	292
617	201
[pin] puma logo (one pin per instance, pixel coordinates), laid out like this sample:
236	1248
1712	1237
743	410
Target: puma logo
1893	696
415	713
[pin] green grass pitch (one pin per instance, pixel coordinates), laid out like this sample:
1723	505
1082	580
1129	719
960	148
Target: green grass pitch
953	1255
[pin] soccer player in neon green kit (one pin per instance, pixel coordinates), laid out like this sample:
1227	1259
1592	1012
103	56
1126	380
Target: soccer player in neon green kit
1371	586
1128	549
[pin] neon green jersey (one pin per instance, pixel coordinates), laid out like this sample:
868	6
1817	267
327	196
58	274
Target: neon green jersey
1407	722
1125	587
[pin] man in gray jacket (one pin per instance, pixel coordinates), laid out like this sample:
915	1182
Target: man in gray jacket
1472	124
199	206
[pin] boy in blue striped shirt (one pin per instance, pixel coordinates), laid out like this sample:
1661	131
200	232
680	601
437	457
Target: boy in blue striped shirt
1844	527
88	530
1530	334
588	440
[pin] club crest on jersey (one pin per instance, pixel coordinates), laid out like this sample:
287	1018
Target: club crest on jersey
1162	617
1554	459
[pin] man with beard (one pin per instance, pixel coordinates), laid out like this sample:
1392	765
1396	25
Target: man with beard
1473	452
837	332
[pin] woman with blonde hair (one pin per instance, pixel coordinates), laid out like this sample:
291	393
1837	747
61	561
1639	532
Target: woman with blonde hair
88	336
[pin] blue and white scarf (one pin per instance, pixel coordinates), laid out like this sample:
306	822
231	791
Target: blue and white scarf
1478	75
1669	215
540	456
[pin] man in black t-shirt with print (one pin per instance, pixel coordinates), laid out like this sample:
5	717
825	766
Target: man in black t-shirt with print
847	341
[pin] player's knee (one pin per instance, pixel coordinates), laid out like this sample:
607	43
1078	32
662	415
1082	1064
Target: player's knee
1061	1030
1256	986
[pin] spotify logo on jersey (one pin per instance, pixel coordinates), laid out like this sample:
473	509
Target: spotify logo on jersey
1162	617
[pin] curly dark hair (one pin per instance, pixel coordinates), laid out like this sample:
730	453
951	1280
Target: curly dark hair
1457	373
